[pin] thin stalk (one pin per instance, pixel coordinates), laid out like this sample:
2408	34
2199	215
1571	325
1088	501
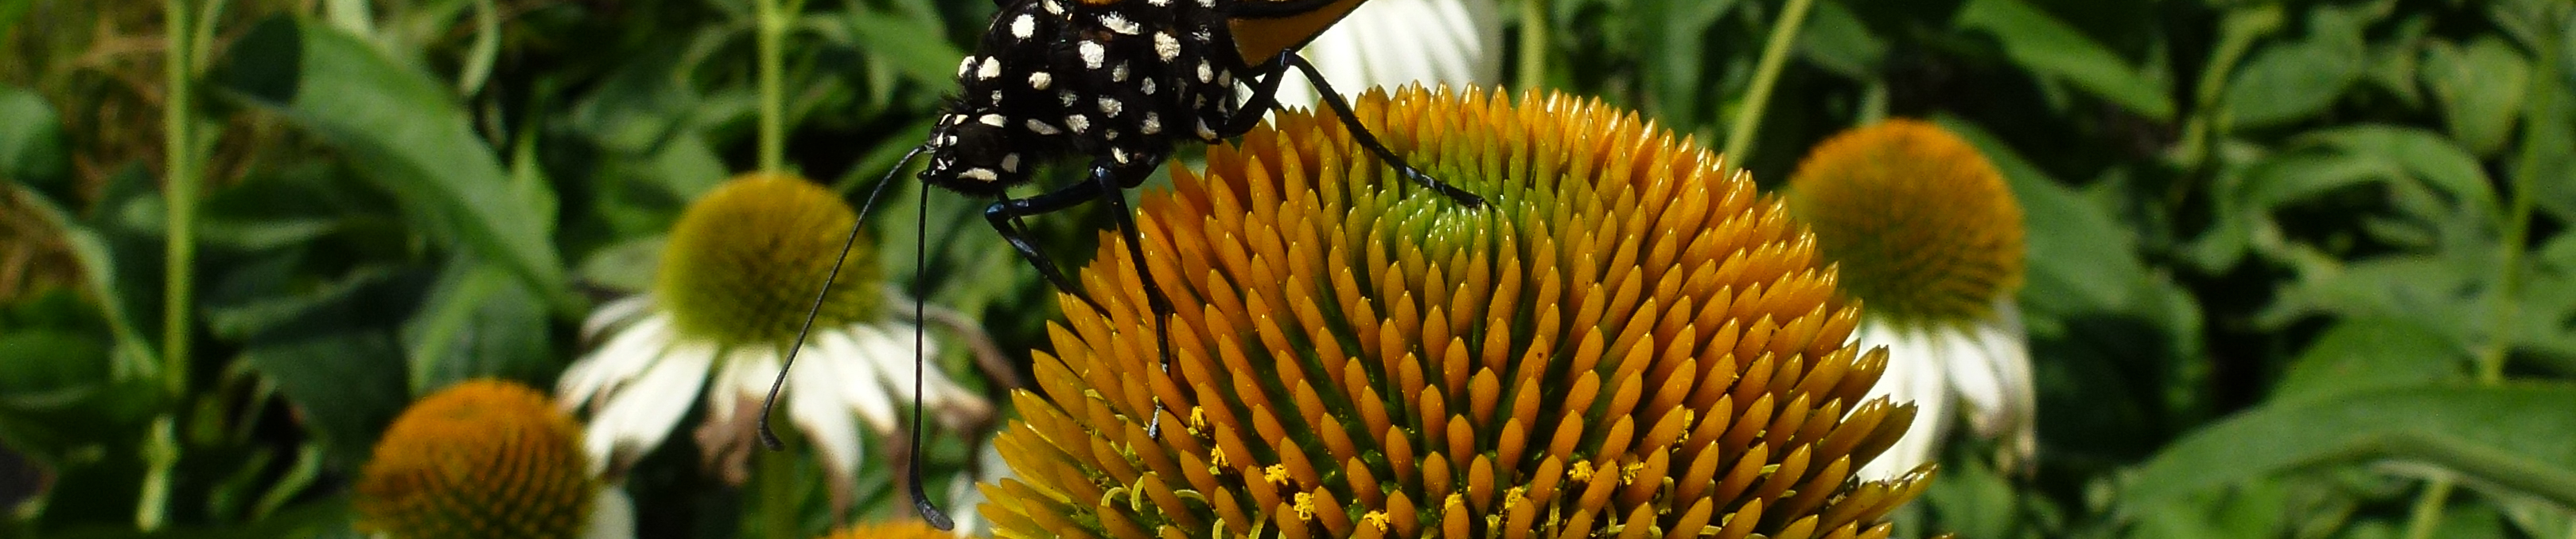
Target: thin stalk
179	191
2502	309
769	30
1534	36
2427	513
1766	73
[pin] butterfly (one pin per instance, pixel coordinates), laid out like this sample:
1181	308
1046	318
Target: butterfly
1121	83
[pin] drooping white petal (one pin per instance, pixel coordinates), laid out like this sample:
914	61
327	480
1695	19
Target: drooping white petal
863	384
615	363
952	404
612	515
639	416
1990	371
1915	369
818	403
1392	42
744	376
613	314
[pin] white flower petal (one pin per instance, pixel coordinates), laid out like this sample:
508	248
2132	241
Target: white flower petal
626	355
639	416
1392	42
816	401
2004	402
863	380
612	515
614	313
744	376
1914	373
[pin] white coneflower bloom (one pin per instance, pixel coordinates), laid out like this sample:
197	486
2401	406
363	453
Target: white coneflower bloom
1930	239
1393	42
736	279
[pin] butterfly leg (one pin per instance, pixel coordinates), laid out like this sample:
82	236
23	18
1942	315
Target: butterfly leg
1265	95
1342	109
1005	215
1105	177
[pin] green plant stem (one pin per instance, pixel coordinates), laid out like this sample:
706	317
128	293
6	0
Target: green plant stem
2427	513
161	457
1534	36
2515	230
179	192
1766	73
769	30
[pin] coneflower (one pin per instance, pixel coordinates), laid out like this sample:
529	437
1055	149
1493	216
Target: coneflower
480	459
1927	233
1626	341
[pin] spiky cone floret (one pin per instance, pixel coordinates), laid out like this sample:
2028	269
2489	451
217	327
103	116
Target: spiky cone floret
480	459
1626	341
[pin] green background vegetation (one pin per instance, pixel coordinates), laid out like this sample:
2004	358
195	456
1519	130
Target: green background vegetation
2298	269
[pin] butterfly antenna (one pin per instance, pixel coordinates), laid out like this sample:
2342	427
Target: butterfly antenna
768	437
920	241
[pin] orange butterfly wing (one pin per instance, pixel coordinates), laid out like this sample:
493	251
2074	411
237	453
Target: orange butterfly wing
1259	39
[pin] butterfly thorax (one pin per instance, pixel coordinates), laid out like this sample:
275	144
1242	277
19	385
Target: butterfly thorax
1117	81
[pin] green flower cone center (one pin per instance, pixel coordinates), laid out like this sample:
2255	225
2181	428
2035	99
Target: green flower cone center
744	262
1923	227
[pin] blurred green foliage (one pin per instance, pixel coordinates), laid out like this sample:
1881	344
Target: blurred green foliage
2298	268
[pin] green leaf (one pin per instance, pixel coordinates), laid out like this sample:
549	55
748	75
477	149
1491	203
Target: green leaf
2419	154
2480	88
2047	46
2362	354
403	130
2512	435
2290	81
478	323
115	291
32	148
897	38
1836	39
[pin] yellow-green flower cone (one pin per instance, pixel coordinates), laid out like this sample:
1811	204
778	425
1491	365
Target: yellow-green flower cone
1626	341
480	459
745	260
1923	226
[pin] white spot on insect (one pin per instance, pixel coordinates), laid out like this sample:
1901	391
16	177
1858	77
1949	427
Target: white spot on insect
1078	122
965	66
994	120
1225	78
1041	80
1092	54
980	174
1109	134
1118	73
991	69
1204	132
1152	125
1206	74
1210	4
1055	7
1116	23
1119	154
1024	26
1147	87
1065	96
1166	46
1041	128
1159	3
1011	162
1109	106
997	97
